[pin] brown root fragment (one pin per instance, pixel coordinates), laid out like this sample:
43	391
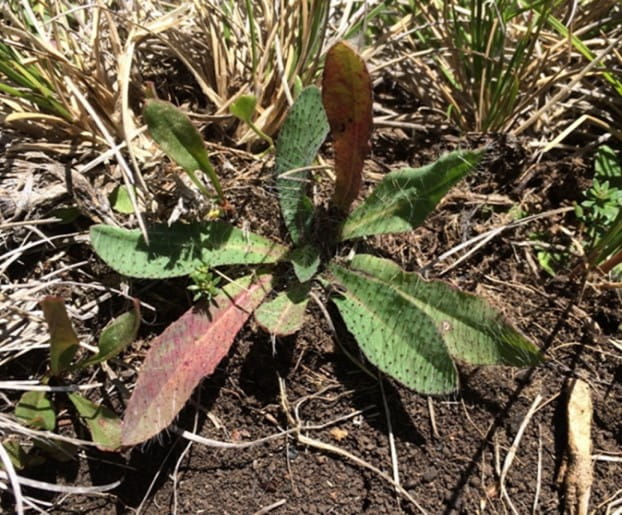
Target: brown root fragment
578	476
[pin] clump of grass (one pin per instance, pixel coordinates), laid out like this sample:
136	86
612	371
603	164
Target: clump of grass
508	65
56	59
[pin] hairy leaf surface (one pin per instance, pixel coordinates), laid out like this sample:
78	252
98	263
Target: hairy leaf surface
429	316
186	352
394	334
300	137
347	98
473	330
284	315
404	198
180	249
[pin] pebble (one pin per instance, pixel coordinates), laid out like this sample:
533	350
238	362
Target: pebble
430	474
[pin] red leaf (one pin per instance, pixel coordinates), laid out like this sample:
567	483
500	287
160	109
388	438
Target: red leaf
186	352
347	99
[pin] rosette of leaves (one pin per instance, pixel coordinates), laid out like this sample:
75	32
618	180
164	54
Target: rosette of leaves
411	329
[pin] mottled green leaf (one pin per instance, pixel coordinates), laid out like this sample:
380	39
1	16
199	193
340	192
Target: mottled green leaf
300	137
419	316
36	410
404	198
63	339
305	261
284	315
104	425
181	248
394	334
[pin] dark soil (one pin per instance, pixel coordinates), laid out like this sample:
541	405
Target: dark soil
449	449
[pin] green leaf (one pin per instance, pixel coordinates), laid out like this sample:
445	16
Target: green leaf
181	248
16	453
116	336
300	137
120	200
284	315
606	165
411	329
306	261
404	198
244	107
180	140
36	410
104	425
394	335
187	351
63	339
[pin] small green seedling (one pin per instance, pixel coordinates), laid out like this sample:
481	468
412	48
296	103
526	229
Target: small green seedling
121	201
38	409
413	330
244	109
204	284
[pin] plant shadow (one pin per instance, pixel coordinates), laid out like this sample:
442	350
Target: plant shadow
161	453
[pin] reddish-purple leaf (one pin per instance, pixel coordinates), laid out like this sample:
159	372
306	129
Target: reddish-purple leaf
186	352
63	339
347	99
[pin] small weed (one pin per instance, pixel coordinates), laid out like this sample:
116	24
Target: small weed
205	284
38	409
601	212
